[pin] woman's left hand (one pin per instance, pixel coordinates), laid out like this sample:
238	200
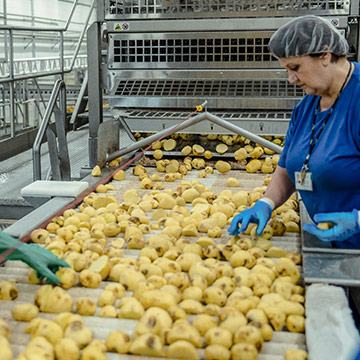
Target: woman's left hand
345	224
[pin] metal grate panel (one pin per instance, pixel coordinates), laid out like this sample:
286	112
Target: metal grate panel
140	114
199	50
204	88
122	9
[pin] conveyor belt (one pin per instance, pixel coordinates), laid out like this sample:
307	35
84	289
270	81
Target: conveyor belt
101	327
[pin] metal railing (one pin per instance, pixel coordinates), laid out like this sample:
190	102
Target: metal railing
17	70
59	158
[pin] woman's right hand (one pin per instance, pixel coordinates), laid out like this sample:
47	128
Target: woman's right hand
259	214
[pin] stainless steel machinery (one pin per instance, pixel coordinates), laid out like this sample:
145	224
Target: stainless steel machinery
157	59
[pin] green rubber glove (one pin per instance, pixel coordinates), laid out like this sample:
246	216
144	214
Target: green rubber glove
43	261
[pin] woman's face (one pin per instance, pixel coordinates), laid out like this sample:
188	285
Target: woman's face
307	72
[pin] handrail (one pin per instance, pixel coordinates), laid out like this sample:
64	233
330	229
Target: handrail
34	28
12	76
59	85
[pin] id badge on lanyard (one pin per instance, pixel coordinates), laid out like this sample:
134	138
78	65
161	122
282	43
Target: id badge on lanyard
303	181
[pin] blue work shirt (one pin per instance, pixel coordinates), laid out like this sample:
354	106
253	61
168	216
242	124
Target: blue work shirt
335	159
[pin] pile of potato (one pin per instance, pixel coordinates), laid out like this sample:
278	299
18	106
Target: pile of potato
254	156
191	292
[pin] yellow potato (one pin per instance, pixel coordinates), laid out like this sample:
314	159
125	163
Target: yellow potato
220	336
85	306
24	312
4	329
118	341
46	328
81	334
8	290
244	351
6	352
296	354
222	166
182	349
148	345
89	278
295	323
66	349
217	352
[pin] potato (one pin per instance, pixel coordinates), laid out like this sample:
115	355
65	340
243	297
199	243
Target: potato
107	297
4	329
220	336
193	292
81	334
85	306
184	331
197	149
276	317
66	318
214	295
96	171
233	322
182	349
217	352
242	258
148	345
250	335
244	351
89	278
257	152
285	267
215	232
6	352
130	308
53	300
108	311
46	328
295	323
153	321
253	166
232	182
24	312
169	144
296	354
96	350
222	166
186	150
203	323
67	277
221	148
208	155
38	346
8	290
240	154
66	349
39	236
192	306
118	341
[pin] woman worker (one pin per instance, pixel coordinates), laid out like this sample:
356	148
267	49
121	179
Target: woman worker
321	155
43	261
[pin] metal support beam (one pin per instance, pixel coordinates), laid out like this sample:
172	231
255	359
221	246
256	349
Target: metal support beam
95	88
191	121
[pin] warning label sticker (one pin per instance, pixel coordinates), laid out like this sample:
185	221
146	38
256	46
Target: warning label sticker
121	27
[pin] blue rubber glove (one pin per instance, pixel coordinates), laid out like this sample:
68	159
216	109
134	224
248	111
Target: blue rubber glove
346	224
259	214
43	261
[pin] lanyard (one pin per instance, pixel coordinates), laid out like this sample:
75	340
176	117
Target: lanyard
313	141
